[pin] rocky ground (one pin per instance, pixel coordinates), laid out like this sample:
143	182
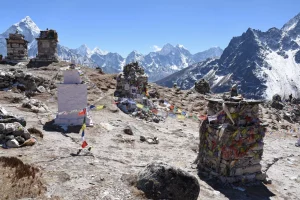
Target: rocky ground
106	172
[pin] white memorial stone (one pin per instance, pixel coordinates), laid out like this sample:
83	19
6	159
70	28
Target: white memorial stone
71	95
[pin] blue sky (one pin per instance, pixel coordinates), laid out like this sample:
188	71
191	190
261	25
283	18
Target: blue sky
125	25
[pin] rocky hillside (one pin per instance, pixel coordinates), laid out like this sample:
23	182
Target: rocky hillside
262	63
157	64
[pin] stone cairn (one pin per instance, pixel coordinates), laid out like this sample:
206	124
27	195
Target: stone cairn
231	141
13	133
132	82
47	49
202	86
16	47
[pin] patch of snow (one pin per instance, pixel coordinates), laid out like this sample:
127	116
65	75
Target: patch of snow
174	67
282	75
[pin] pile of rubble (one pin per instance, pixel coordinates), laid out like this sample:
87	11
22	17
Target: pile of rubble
143	109
231	141
13	133
35	105
288	110
24	81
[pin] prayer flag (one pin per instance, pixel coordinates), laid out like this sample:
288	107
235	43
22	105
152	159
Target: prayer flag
100	107
139	105
180	117
172	115
84	144
83	127
92	106
82	113
212	118
82	134
154	111
203	117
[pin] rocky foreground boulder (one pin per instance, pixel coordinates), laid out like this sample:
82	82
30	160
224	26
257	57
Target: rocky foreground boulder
161	181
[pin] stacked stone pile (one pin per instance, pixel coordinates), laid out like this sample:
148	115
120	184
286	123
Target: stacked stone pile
13	133
132	82
202	86
35	105
16	47
231	141
276	102
23	81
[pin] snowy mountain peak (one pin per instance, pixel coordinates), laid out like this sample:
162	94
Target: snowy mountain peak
96	50
291	24
84	50
167	48
27	19
180	46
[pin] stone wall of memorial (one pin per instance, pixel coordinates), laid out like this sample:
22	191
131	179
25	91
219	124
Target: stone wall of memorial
231	141
71	98
16	47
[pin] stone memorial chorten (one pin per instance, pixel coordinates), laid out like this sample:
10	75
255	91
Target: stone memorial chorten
231	141
16	47
72	98
47	46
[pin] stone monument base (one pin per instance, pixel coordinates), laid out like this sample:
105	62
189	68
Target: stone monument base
72	119
35	63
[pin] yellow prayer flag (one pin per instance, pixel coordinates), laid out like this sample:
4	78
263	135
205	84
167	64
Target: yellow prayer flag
180	117
179	110
139	105
99	107
83	127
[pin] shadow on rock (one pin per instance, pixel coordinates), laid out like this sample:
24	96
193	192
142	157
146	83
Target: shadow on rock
255	191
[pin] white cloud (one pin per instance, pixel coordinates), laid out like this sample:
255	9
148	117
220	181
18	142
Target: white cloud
156	48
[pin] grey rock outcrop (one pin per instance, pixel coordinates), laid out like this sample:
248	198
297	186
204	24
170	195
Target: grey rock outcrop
23	81
161	181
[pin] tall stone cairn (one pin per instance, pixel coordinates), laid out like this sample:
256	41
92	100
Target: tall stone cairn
231	150
16	47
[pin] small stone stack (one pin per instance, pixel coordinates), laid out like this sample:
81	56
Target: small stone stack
47	46
231	141
202	86
132	82
16	47
13	133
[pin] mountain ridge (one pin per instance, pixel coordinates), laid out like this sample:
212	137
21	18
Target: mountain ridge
261	63
157	64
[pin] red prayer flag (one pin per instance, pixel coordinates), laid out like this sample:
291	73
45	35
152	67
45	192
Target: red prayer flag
82	113
84	144
203	117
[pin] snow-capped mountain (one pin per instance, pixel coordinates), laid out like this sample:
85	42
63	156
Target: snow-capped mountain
262	63
157	64
26	27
